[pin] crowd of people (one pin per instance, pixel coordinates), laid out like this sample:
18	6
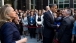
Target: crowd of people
48	25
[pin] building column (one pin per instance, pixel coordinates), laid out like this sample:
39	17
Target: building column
34	4
28	6
1	3
71	4
15	4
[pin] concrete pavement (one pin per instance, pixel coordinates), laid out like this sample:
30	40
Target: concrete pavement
31	40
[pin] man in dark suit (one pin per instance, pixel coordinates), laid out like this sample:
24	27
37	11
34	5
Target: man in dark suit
48	32
65	29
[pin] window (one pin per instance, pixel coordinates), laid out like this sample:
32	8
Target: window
56	1
74	5
60	1
32	2
60	5
74	1
66	1
66	5
63	3
31	6
50	1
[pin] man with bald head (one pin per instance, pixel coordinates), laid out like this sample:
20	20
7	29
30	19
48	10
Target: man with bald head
47	8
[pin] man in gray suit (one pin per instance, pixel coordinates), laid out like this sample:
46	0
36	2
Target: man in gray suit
65	29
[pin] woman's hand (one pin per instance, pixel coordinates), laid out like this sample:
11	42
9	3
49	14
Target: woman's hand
24	40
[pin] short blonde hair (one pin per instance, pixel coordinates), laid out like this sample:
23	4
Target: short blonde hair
4	10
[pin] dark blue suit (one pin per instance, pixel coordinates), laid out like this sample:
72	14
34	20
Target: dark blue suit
9	33
49	26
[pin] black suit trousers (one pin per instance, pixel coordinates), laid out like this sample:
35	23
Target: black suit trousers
47	40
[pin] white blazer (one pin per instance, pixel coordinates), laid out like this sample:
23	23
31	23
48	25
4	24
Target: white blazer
39	22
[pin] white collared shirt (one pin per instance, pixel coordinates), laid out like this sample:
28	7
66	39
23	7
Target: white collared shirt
50	11
52	14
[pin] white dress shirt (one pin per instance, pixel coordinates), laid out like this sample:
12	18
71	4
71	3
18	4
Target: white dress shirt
52	14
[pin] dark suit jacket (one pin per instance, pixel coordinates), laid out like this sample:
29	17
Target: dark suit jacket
48	25
9	33
65	30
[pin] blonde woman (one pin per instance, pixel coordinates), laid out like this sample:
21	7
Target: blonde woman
8	31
